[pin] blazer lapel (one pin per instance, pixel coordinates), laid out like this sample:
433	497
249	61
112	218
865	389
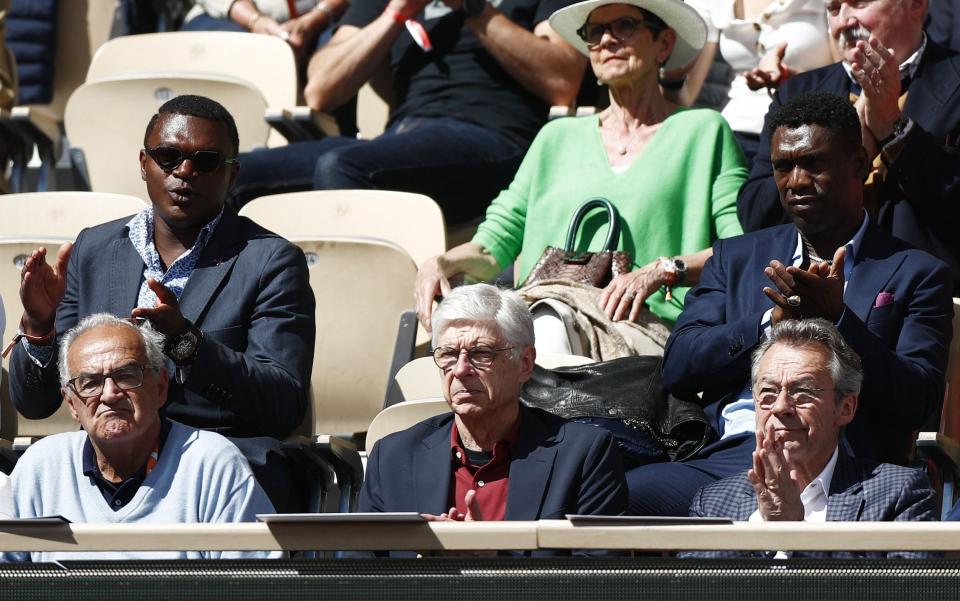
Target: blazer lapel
530	468
126	277
215	263
845	501
432	467
871	271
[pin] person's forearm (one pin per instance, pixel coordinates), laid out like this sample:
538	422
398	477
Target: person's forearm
695	263
244	13
692	77
324	14
550	69
471	260
337	72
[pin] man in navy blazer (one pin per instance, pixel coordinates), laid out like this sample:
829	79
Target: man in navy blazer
891	303
915	195
232	299
806	381
492	458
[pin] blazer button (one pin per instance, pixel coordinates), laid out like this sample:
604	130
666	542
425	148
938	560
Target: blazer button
734	349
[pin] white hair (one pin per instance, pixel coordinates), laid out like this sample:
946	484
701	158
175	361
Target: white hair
483	302
152	340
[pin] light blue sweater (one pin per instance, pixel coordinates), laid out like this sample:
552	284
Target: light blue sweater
200	477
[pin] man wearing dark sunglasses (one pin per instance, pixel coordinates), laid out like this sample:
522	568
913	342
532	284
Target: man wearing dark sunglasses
232	299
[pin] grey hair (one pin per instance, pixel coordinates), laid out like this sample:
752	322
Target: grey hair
483	302
845	366
152	340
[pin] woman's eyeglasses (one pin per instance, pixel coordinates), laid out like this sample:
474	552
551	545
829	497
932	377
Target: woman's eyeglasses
169	158
621	28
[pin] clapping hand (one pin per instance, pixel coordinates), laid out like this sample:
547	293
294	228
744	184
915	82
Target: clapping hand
775	480
42	287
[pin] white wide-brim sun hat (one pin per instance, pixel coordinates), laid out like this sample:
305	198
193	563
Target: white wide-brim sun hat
690	28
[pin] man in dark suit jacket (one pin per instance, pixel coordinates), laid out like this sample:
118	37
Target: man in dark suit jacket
806	381
916	193
232	299
891	303
492	458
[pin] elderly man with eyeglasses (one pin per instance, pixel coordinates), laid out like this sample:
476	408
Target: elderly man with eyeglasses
129	464
806	382
492	458
232	299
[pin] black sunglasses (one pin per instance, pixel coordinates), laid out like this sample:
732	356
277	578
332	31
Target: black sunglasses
621	28
169	158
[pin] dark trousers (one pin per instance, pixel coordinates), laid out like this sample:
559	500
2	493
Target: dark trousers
205	22
668	488
750	145
460	165
275	472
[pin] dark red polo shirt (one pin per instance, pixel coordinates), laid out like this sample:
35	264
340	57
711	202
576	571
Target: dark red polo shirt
490	479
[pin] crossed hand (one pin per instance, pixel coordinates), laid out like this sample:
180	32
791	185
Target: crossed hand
814	292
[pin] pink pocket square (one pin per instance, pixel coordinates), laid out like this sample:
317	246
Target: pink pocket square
883	299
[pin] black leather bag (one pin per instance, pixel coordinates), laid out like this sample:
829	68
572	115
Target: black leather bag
627	397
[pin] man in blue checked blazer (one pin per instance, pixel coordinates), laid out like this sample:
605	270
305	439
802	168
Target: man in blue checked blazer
806	381
890	302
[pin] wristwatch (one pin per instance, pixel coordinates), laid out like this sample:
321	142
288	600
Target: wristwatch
675	268
182	348
473	8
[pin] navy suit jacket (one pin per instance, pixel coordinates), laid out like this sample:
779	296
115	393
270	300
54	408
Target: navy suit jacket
557	468
250	295
903	344
860	491
920	199
943	23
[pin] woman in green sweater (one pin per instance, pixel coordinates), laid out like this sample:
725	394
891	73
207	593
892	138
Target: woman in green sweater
673	173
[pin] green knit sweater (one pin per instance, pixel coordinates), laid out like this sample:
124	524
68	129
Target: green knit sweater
676	198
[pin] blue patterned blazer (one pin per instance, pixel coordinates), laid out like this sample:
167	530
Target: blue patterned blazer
860	491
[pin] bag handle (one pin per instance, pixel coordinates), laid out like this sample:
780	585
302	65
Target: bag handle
613	221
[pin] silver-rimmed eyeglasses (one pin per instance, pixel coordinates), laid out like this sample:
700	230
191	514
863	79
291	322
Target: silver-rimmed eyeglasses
479	356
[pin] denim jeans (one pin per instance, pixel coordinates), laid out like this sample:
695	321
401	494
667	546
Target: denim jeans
460	165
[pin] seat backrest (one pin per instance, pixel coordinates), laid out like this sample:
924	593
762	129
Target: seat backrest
267	62
419	379
106	119
82	26
950	417
362	287
413	222
373	112
61	215
401	416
